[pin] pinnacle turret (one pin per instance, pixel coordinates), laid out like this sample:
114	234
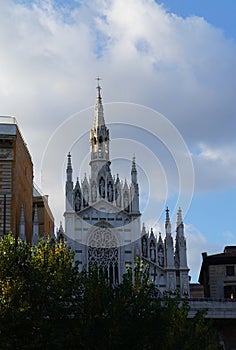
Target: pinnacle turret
180	246
168	223
134	190
179	217
167	217
69	184
69	168
134	171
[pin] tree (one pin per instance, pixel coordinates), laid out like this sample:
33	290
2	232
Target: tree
46	303
38	289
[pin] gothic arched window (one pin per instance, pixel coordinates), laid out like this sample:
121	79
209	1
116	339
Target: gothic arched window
144	247
110	191
161	256
103	253
126	201
85	196
102	187
77	202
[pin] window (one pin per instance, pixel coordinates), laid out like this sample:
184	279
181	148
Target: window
230	292
230	271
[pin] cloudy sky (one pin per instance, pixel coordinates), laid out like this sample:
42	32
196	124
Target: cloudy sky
168	86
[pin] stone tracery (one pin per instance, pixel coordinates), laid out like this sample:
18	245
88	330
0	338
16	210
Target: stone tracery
103	252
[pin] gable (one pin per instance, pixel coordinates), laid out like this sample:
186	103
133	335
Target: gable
105	208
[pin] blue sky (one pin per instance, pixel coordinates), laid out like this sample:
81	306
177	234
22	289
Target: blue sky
177	58
219	13
212	212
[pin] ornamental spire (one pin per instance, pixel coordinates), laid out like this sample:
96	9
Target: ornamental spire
69	165
98	112
134	171
69	168
179	217
167	216
168	223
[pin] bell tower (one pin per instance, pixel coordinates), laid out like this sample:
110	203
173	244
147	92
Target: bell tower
99	138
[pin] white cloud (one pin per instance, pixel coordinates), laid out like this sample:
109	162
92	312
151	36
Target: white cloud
215	167
184	68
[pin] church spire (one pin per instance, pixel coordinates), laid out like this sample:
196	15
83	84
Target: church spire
99	139
98	111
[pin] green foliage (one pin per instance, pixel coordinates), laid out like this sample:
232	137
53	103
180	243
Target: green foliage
45	303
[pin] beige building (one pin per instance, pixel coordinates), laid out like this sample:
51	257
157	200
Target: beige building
196	291
43	219
16	180
24	213
218	274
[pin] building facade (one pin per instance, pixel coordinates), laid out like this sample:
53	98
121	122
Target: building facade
218	274
16	181
23	212
103	220
43	220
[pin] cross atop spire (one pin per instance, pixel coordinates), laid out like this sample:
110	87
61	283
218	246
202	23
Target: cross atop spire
98	79
99	89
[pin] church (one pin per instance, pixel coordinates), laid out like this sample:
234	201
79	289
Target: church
103	220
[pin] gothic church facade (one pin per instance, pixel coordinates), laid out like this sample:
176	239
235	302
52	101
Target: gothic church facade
103	220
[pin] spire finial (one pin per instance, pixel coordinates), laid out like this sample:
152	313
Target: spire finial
134	171
168	223
98	79
98	88
179	217
134	163
98	117
167	216
69	164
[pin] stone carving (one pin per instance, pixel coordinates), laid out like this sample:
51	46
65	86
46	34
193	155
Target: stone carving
102	238
102	187
102	257
102	251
